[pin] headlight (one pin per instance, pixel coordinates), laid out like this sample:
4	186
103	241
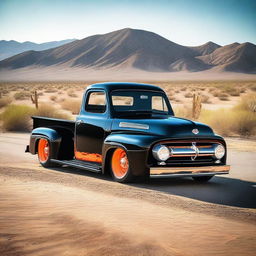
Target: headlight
219	151
161	152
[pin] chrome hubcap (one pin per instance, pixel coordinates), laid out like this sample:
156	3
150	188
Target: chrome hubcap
123	162
46	150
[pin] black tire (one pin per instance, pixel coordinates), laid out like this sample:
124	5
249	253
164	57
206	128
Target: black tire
202	178
125	177
43	160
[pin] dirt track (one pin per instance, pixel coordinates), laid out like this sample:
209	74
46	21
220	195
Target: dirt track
65	211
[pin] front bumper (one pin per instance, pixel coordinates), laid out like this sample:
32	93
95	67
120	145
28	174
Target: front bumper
189	171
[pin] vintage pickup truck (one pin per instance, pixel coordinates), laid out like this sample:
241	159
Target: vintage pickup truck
129	130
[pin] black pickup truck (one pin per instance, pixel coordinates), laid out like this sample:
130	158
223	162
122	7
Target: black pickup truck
129	130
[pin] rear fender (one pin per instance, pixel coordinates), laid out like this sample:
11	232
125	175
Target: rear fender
53	136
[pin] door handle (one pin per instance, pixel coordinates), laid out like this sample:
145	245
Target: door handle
79	122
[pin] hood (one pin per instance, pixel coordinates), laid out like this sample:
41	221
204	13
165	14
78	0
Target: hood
168	127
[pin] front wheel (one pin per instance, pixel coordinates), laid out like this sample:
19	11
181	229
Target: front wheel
202	178
120	166
44	152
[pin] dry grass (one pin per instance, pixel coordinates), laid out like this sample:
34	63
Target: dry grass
46	110
17	118
248	103
71	105
185	111
5	101
241	119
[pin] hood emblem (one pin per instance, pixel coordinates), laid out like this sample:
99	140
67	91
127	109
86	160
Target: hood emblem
195	131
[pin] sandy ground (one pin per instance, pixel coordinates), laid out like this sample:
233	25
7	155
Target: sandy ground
65	211
63	73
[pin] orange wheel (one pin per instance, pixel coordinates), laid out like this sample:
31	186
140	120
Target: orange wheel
119	164
43	151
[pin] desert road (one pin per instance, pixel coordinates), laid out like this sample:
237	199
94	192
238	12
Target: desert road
65	211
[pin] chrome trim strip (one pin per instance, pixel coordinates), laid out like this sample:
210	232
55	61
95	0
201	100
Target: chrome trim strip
86	166
186	175
219	169
133	125
192	151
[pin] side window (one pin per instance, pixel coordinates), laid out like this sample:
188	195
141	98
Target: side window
96	102
158	103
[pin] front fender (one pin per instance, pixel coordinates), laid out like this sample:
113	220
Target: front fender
137	148
53	136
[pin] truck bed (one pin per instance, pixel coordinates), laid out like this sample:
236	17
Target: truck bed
39	121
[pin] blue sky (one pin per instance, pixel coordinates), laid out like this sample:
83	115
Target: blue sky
187	22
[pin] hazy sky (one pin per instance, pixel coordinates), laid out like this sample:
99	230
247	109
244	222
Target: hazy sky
187	22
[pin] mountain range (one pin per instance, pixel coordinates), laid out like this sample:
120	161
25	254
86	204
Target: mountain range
140	50
11	48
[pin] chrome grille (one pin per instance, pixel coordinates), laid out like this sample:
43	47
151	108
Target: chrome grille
192	152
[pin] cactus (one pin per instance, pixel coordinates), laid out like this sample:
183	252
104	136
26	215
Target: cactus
197	106
34	99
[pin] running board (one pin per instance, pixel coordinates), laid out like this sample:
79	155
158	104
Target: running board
79	164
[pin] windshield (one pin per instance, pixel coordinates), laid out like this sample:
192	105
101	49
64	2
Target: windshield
137	102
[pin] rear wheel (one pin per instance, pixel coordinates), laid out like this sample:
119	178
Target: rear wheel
44	152
202	178
120	166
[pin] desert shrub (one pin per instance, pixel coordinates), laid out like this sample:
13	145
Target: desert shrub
188	95
242	90
3	92
17	118
216	93
53	98
50	90
223	96
205	98
22	95
247	103
235	92
5	101
211	89
253	87
245	123
50	111
40	94
72	105
71	93
171	97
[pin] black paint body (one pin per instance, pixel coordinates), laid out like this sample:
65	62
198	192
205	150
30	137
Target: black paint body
101	132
